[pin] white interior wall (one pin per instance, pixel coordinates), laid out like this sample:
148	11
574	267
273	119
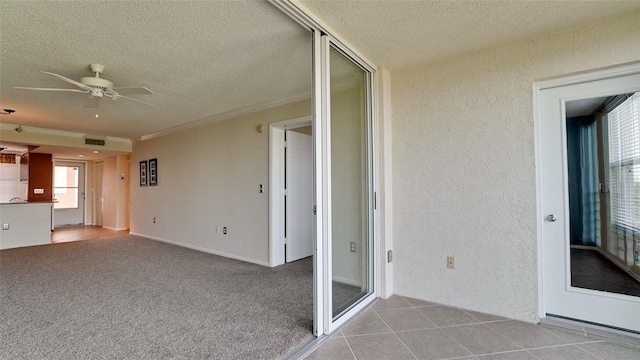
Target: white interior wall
208	177
463	161
122	179
115	212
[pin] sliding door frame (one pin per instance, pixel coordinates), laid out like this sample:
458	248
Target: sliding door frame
331	323
323	39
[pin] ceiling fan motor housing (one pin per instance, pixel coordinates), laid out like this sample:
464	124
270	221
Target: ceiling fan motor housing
97	84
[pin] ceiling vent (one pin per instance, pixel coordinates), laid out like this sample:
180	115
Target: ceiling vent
94	142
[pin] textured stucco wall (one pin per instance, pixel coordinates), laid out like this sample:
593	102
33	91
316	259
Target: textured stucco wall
464	166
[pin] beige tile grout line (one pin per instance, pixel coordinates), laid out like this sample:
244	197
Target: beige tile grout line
478	323
446	333
485	325
394	332
576	345
350	349
583	349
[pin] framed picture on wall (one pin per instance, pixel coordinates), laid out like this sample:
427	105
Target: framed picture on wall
153	172
143	173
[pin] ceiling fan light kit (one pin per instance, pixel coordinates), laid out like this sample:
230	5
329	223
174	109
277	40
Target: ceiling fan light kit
97	88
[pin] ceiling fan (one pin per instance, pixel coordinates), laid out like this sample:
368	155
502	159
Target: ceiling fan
97	88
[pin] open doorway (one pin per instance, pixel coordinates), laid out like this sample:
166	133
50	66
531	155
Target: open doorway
291	192
69	194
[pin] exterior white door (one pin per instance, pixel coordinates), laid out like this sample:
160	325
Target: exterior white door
69	190
559	296
299	196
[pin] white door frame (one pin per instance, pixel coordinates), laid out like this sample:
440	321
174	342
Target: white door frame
601	74
85	210
276	186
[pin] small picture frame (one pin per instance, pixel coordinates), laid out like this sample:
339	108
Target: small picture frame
153	172
143	173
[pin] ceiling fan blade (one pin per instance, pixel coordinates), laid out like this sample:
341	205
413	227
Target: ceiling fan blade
140	101
132	90
51	89
92	102
76	83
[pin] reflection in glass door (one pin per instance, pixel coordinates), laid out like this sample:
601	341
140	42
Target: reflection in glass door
603	161
351	187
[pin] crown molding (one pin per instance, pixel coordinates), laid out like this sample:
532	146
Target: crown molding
118	139
336	86
35	130
230	114
62	133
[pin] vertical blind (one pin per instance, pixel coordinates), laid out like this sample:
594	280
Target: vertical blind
624	164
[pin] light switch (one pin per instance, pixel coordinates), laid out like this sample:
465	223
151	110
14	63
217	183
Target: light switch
5	226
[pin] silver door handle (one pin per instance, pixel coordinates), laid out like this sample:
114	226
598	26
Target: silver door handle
551	218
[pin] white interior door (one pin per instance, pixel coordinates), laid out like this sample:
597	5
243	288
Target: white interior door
559	296
69	190
299	196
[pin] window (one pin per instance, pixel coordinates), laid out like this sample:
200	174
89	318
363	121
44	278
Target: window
624	164
65	185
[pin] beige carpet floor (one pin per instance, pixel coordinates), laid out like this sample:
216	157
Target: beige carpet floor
133	298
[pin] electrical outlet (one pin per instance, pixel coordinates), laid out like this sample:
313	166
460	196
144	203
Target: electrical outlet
451	262
154	219
217	229
224	230
5	226
353	246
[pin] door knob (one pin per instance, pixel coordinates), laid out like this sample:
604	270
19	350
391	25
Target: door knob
551	218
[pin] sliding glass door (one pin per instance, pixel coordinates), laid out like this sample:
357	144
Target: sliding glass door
343	174
350	184
347	178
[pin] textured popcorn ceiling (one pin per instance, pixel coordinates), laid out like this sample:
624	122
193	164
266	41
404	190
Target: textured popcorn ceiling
206	58
200	58
398	34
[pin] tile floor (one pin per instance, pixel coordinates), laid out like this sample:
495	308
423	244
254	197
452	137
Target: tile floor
405	328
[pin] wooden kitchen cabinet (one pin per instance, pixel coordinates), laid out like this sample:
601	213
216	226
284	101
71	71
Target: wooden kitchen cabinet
40	176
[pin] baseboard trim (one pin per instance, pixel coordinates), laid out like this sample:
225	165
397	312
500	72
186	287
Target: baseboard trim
198	248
